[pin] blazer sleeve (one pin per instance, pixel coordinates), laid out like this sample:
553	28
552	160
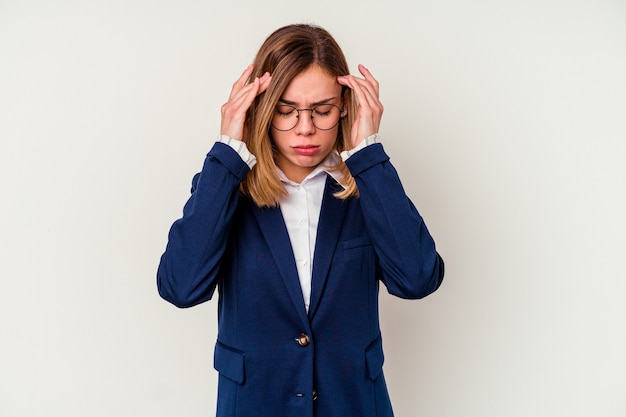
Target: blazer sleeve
189	268
409	262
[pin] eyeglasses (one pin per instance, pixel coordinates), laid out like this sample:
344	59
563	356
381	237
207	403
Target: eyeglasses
323	116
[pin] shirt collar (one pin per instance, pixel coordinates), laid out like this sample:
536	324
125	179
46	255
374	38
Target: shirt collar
327	166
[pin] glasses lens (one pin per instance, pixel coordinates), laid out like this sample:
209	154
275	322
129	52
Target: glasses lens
285	117
325	116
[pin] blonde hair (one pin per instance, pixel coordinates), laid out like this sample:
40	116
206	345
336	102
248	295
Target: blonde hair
285	54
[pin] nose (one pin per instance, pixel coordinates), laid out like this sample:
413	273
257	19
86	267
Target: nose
305	125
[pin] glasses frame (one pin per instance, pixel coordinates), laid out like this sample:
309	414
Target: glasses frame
312	109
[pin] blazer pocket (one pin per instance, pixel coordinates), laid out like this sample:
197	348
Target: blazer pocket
358	242
229	362
374	358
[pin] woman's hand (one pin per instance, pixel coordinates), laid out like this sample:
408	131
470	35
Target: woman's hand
369	110
241	97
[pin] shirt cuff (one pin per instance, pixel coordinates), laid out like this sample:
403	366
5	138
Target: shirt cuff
370	140
239	147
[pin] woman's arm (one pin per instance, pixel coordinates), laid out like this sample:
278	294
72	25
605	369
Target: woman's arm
189	268
410	264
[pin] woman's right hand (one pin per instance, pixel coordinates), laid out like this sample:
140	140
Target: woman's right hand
241	97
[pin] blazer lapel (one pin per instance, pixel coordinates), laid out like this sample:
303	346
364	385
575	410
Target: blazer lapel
273	227
330	225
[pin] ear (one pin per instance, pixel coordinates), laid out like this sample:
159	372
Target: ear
346	98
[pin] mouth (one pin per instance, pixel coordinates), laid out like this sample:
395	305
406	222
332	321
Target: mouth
306	149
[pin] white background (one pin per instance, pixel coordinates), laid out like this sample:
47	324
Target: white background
505	119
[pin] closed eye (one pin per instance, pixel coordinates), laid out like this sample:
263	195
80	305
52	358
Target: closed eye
323	110
285	111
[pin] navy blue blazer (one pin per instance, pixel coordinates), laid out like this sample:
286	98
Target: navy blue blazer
273	358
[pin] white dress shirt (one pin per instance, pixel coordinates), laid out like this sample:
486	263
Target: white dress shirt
301	212
301	207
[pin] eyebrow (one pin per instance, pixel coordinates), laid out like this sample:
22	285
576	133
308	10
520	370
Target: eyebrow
317	103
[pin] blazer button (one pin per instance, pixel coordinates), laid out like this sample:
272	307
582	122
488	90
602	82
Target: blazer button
303	339
314	394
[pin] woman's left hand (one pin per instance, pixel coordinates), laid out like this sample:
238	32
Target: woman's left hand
369	107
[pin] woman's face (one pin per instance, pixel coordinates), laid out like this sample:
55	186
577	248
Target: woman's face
301	149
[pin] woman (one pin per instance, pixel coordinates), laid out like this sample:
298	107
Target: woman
295	218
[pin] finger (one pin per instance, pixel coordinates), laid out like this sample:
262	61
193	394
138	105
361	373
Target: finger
369	77
242	81
364	94
370	90
234	111
369	107
369	86
244	97
367	118
254	88
241	98
245	76
264	82
368	83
